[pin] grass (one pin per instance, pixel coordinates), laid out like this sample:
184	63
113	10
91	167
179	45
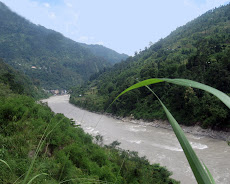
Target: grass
200	171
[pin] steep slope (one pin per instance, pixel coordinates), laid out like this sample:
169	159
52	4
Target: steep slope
108	54
46	55
200	51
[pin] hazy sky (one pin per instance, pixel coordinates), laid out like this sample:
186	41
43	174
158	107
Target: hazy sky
123	25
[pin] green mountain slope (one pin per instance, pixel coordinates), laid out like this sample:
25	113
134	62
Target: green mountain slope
108	54
199	50
44	54
12	81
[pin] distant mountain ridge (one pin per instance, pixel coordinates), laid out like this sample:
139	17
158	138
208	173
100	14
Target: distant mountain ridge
108	54
46	55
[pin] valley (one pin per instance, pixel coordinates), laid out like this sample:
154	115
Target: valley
81	132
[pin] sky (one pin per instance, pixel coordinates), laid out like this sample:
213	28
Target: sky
125	26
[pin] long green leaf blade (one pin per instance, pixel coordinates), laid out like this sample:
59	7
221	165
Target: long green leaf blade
182	82
195	164
138	85
189	83
36	177
199	171
4	162
209	174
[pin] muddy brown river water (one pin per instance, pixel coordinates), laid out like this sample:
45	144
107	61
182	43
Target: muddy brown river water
157	144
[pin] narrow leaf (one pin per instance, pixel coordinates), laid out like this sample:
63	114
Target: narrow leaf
138	85
195	164
185	82
36	177
182	82
199	171
209	174
41	142
4	162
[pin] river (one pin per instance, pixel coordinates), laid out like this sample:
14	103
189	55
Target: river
157	144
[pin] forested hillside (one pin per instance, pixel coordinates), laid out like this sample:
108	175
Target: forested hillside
12	80
199	50
66	154
46	55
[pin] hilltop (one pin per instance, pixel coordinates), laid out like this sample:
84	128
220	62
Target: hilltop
48	56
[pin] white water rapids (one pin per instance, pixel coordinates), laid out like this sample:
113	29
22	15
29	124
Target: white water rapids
157	144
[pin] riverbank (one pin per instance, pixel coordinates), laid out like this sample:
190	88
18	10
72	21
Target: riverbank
195	130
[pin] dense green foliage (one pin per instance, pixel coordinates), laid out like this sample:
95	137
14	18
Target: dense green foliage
16	82
68	154
46	55
199	51
106	53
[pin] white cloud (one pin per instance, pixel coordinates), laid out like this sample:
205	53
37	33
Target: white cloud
69	5
47	5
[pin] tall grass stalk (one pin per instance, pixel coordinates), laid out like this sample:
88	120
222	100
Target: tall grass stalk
41	142
88	180
200	171
36	177
35	155
19	178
